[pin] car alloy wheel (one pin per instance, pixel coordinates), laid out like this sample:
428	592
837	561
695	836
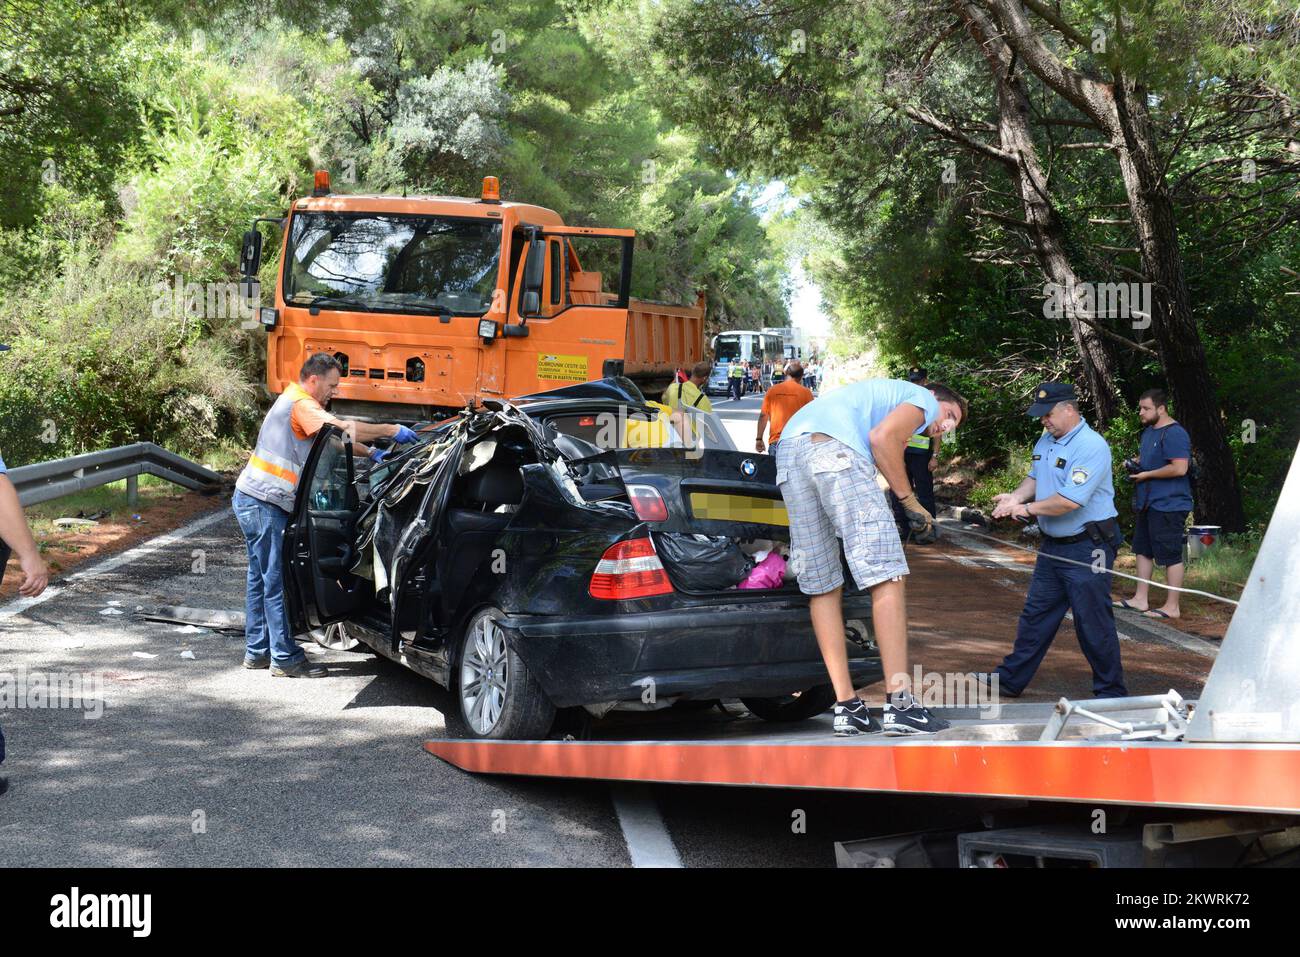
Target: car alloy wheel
335	637
484	676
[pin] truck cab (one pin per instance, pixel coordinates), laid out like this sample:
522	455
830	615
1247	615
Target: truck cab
434	302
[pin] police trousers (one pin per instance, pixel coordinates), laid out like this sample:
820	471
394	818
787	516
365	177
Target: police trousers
1055	588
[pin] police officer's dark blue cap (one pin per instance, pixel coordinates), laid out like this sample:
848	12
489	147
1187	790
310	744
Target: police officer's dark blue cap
917	374
3	347
1048	394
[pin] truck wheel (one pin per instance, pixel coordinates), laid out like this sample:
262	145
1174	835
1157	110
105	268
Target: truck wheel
499	697
335	637
793	707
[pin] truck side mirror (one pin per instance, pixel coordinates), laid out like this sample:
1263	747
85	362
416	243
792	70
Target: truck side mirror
534	276
250	257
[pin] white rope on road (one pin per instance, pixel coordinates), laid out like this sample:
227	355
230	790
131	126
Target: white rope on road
1071	561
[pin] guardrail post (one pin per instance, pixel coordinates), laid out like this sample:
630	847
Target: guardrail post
133	490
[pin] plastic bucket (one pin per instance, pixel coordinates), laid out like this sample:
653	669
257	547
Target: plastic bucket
1201	538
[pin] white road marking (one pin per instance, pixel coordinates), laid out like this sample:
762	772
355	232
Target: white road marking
648	842
20	605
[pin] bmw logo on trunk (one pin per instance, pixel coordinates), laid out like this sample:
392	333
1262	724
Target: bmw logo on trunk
748	468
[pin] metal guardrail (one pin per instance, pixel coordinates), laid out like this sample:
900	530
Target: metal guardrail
50	480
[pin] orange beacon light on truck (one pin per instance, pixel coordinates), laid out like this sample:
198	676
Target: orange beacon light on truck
491	190
322	185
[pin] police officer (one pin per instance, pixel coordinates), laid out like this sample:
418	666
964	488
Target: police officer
1069	493
919	460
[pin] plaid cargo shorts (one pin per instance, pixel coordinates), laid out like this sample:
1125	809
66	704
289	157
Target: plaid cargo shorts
831	493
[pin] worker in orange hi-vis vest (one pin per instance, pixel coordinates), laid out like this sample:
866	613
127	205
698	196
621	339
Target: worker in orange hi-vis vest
264	500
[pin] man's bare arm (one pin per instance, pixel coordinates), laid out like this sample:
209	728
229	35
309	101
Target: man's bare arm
889	439
1176	468
16	534
368	431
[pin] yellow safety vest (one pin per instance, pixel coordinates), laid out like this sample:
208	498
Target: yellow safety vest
921	442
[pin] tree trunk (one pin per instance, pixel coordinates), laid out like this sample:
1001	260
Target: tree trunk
1218	492
1095	355
1119	108
1047	230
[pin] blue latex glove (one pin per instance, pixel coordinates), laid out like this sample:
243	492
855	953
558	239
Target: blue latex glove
377	455
404	435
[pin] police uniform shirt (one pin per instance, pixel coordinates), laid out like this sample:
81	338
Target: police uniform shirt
1077	465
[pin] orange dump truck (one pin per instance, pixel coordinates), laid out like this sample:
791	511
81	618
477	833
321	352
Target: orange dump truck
431	302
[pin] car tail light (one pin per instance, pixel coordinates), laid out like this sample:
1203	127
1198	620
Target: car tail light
630	570
647	503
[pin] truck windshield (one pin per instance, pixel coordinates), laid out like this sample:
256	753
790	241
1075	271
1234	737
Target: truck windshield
385	262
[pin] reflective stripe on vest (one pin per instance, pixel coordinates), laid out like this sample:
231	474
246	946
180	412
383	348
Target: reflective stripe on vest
276	463
919	442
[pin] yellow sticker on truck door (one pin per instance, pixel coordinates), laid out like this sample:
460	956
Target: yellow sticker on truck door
567	368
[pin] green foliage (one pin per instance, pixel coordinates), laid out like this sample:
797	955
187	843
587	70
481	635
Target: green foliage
172	128
1004	478
92	367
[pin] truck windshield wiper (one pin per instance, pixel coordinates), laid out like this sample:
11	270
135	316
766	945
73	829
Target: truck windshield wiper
433	310
323	300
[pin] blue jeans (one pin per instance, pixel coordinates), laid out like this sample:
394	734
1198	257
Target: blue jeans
266	624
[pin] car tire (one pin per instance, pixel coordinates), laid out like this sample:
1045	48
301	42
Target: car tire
800	707
335	637
498	696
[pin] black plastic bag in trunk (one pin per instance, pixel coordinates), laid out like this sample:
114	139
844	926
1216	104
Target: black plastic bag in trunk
698	563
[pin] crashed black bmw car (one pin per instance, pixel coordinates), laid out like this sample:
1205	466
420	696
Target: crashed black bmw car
565	550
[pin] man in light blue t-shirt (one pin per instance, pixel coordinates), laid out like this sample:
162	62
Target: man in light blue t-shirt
826	465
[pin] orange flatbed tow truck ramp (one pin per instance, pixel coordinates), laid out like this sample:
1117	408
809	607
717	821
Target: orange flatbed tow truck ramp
1236	749
976	758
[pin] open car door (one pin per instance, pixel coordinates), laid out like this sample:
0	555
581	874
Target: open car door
319	542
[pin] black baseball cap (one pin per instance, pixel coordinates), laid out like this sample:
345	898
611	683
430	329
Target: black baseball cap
1048	394
917	374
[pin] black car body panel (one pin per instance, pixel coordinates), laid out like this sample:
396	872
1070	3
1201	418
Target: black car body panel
498	508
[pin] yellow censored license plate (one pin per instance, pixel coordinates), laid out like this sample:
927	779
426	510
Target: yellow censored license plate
721	507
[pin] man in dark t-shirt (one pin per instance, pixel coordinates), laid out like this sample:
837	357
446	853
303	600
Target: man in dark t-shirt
1162	500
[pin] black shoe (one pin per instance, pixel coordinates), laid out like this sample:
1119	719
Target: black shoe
853	718
911	720
300	669
985	678
257	664
4	785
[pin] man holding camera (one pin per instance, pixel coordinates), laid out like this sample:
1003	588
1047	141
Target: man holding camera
1162	500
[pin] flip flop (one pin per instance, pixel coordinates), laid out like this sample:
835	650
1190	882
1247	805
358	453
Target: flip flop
1157	613
1126	606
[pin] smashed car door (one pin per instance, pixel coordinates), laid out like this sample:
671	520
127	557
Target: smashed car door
319	549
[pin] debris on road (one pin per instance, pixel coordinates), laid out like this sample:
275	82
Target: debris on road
217	619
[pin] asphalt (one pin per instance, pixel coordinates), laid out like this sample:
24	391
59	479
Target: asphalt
196	761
